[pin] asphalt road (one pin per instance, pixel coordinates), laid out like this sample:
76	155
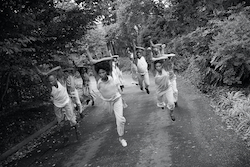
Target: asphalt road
197	138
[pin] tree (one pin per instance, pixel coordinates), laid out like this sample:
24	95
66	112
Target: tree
38	30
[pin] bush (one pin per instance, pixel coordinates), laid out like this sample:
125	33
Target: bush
193	55
220	51
22	123
234	108
124	64
231	49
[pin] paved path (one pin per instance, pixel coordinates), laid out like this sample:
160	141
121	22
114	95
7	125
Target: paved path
196	139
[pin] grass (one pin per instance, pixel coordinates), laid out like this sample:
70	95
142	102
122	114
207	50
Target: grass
22	123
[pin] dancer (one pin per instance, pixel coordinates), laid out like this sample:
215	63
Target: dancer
133	67
79	84
72	91
116	72
164	89
63	108
142	68
61	100
110	92
173	81
87	89
158	50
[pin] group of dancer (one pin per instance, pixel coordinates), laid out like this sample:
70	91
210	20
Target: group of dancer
70	93
110	85
162	68
67	92
165	79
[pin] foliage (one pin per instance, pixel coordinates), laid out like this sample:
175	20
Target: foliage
38	30
94	38
219	50
17	126
131	20
230	48
234	109
124	64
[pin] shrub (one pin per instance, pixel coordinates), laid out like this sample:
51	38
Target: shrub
193	55
234	108
124	64
231	49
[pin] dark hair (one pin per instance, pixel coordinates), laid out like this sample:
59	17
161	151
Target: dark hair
158	61
52	75
104	65
83	70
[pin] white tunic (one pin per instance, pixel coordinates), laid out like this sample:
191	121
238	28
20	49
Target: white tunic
108	89
60	95
142	65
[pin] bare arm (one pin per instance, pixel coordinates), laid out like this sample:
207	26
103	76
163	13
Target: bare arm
48	72
154	45
137	47
93	61
163	49
164	56
90	56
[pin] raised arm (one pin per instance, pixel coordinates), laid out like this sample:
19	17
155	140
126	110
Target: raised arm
48	72
137	47
165	56
154	45
110	53
163	49
93	61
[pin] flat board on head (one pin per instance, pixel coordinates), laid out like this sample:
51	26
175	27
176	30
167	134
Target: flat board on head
94	61
163	57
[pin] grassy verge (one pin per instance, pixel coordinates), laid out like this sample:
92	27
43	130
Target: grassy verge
22	123
232	104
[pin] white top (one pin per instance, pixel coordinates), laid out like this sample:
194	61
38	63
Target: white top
142	65
108	89
70	83
78	82
162	82
60	95
131	56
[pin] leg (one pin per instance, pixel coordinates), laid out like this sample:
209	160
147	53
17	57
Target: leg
92	94
134	73
170	102
160	101
78	102
121	79
146	81
140	80
60	119
70	115
175	90
120	120
58	113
